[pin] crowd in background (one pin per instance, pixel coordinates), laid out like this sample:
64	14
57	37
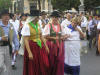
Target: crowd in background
60	34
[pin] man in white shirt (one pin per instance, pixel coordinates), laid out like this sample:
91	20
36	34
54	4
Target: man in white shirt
14	22
67	21
83	20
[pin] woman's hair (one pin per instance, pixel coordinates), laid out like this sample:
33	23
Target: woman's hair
75	20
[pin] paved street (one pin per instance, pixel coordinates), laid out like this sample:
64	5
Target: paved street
90	64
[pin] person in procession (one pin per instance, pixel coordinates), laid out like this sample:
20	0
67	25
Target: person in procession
7	37
52	32
43	21
15	24
67	21
72	48
36	51
23	18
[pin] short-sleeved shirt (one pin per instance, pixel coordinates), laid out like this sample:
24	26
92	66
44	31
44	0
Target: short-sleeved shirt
28	30
47	29
25	30
16	24
65	23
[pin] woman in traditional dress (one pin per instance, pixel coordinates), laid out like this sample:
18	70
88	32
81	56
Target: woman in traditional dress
35	55
22	23
53	35
72	48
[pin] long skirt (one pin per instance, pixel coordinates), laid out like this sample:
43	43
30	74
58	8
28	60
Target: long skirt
56	58
40	64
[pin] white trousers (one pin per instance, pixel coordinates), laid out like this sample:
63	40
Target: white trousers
5	60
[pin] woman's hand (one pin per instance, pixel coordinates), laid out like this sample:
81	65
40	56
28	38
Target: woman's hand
44	42
47	49
81	33
77	29
28	47
30	55
65	37
4	38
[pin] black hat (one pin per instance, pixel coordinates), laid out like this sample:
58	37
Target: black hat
4	12
55	14
34	13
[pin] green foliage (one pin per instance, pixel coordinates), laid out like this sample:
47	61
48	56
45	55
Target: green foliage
5	4
68	4
65	4
90	4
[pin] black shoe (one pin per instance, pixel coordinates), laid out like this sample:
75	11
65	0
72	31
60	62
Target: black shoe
14	67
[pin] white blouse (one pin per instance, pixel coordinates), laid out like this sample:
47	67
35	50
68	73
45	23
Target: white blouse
47	29
72	48
74	35
25	30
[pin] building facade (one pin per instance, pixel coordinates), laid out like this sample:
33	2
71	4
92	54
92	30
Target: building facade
25	6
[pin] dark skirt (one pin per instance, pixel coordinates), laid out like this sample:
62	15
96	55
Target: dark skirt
56	58
40	63
73	70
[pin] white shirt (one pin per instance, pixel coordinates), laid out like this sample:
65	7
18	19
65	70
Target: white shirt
16	24
75	35
84	21
72	47
25	30
47	29
41	28
65	23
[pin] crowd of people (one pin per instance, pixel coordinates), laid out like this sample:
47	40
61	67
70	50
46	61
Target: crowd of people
49	43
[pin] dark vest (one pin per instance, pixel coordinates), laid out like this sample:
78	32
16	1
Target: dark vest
53	33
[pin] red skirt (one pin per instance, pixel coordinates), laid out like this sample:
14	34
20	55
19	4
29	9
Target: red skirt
40	63
56	59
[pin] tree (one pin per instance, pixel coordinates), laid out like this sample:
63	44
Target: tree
65	4
89	5
5	4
